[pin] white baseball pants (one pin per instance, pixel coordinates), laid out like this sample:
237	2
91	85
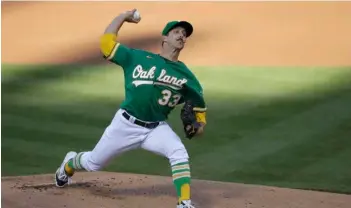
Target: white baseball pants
122	135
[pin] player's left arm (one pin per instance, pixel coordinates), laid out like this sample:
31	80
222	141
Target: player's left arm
194	108
193	115
200	113
201	119
195	94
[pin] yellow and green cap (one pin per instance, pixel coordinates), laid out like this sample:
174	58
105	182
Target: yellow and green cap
172	24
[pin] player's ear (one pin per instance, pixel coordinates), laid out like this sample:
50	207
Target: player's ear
164	38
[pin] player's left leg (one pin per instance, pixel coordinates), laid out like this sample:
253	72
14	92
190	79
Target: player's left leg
165	142
119	137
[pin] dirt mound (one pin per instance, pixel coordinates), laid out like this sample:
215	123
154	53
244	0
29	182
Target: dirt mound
110	190
226	33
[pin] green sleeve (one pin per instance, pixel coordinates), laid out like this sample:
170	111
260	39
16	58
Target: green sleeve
194	93
123	56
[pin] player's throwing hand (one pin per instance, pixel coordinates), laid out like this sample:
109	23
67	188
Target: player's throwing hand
132	16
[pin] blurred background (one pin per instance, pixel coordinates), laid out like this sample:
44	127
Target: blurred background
225	33
276	77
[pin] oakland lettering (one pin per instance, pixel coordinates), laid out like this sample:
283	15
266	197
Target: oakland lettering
164	78
170	79
140	73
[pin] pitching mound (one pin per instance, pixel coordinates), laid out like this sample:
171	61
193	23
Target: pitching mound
104	189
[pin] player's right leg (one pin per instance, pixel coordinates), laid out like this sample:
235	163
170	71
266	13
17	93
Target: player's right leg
165	142
120	136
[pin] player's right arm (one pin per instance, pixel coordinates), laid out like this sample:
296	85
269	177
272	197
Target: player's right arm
110	47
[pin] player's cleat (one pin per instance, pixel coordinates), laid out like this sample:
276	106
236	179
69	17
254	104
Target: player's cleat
185	204
61	178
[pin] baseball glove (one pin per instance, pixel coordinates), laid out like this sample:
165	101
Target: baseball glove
188	117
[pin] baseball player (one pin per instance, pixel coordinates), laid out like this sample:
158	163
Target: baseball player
154	85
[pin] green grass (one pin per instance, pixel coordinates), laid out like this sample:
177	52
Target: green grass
288	127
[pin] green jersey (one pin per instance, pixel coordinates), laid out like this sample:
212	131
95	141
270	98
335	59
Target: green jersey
155	85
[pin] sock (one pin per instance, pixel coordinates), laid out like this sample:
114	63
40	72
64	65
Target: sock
73	164
181	180
68	168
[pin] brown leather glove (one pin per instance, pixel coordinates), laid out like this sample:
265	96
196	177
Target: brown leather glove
188	117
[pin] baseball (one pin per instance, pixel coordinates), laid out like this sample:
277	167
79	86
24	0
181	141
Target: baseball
136	15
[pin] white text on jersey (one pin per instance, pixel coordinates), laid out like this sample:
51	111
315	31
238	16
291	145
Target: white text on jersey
163	78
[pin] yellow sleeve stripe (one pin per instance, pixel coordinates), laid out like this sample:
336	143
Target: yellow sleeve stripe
113	52
199	109
201	117
109	45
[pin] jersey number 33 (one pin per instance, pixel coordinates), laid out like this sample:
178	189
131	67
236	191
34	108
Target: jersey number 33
169	98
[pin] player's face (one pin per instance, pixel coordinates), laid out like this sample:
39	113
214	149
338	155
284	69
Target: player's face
177	38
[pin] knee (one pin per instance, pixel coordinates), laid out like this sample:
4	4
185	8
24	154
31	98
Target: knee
178	156
89	164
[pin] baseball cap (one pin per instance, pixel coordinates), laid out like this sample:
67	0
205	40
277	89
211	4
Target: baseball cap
172	24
